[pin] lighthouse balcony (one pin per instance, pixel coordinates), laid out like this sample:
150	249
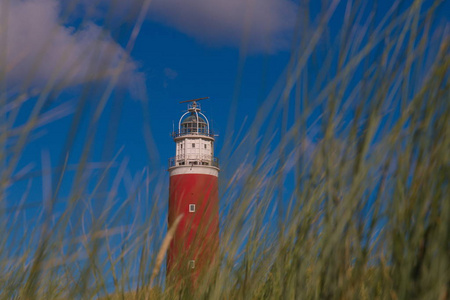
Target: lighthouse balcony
190	131
193	161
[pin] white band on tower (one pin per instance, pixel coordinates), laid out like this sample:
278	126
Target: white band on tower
194	170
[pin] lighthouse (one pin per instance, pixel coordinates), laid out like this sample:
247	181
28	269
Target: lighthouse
193	193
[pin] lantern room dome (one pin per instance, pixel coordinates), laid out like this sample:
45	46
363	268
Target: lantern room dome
193	119
193	122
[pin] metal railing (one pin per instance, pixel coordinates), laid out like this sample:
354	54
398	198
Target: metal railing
183	161
192	131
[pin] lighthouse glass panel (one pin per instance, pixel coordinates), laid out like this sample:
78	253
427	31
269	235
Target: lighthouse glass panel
194	125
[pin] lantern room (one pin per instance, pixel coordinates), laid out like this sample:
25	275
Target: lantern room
194	139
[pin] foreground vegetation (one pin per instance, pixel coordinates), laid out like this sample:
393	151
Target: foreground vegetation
338	189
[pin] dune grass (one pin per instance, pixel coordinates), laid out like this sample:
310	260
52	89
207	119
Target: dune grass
336	189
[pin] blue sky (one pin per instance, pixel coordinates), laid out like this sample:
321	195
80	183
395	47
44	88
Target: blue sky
75	52
172	60
230	50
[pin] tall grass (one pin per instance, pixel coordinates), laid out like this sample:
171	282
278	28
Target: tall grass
336	189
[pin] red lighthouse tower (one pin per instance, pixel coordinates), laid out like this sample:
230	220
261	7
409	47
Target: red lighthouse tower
193	193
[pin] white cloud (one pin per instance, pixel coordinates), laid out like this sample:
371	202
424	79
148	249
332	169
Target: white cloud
266	25
39	48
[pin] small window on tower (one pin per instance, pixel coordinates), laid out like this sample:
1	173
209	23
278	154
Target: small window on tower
191	207
191	264
205	146
181	146
193	145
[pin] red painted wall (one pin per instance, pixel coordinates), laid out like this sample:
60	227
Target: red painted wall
197	235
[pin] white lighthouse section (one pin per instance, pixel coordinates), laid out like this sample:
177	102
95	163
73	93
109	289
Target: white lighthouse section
195	149
194	145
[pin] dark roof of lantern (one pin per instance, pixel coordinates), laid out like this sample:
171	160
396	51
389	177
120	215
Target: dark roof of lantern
193	119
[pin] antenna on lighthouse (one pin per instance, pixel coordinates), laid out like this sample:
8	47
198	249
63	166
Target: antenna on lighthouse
194	100
194	105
